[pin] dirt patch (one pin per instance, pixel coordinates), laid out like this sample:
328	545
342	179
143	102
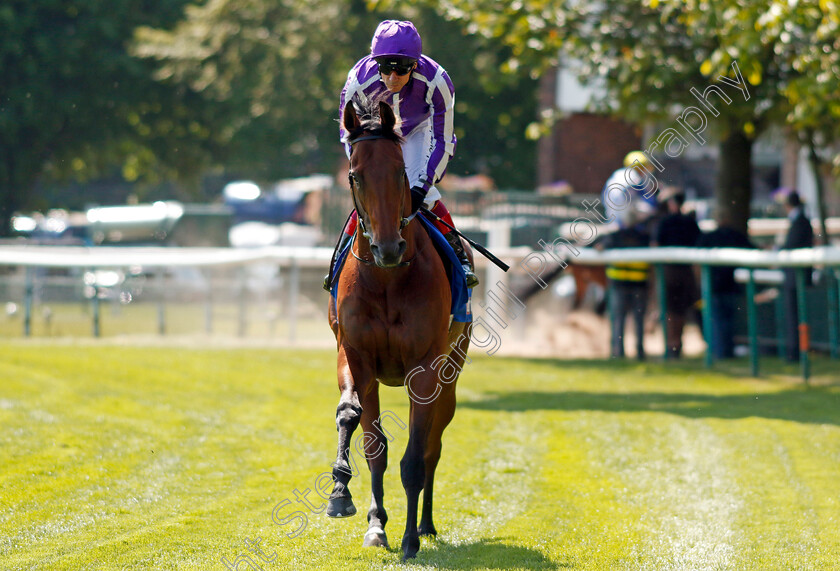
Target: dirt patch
548	328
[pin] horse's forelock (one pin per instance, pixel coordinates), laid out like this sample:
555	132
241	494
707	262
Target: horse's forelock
370	122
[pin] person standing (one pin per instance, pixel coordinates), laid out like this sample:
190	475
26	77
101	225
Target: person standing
681	292
628	283
727	295
800	235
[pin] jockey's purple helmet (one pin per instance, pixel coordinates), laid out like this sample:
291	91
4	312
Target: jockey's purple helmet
396	39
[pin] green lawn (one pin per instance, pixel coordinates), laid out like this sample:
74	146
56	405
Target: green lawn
119	457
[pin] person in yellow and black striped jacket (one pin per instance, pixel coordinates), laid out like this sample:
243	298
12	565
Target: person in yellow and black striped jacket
627	289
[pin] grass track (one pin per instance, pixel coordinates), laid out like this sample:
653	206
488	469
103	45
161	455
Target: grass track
161	458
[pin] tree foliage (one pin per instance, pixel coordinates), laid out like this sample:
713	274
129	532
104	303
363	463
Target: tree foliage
75	104
650	53
276	68
159	90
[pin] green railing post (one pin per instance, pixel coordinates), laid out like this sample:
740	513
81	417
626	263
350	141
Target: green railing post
242	328
97	330
161	305
706	290
28	295
836	274
208	303
781	320
294	289
611	312
831	291
752	324
804	333
663	307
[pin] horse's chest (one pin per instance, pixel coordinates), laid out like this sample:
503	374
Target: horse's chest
374	325
394	338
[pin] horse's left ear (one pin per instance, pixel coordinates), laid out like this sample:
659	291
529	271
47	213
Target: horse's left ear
386	117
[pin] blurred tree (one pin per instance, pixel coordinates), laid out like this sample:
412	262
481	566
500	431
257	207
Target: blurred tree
492	109
74	104
650	53
268	64
796	45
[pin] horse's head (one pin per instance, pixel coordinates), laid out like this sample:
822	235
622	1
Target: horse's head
378	182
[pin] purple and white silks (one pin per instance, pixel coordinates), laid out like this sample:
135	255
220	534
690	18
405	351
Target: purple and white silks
424	108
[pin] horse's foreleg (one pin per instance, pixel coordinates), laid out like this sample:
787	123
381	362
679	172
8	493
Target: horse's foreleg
376	452
347	417
443	414
413	465
412	474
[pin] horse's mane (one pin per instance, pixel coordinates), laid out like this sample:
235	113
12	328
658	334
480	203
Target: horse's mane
367	110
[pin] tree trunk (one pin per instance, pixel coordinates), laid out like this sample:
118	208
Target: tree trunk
816	164
546	151
734	184
10	189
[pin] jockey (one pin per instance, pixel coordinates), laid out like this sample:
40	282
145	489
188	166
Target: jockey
423	99
630	184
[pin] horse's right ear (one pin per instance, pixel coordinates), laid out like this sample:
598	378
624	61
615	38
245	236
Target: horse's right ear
386	117
350	119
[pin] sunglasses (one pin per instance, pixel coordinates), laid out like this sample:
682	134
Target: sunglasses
399	68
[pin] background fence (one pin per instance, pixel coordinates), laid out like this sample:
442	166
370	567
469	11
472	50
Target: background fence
275	293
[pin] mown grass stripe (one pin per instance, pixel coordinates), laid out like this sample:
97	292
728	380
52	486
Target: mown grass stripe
547	464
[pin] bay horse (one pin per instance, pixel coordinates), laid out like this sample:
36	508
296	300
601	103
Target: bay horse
390	317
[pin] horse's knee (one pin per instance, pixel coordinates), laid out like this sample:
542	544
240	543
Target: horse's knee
347	415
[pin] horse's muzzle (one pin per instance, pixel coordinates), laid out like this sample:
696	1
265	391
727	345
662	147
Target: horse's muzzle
388	254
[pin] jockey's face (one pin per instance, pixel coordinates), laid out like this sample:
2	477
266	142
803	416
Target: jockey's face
395	82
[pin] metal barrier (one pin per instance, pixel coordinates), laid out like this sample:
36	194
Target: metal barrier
211	282
826	257
152	269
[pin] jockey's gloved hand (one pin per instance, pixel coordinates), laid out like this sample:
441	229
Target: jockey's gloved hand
418	196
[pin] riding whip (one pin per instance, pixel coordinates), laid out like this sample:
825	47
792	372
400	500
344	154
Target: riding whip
481	249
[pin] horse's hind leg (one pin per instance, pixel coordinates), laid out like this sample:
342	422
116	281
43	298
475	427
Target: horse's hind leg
376	452
347	417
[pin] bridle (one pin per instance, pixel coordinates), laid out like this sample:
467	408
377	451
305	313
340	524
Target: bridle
404	221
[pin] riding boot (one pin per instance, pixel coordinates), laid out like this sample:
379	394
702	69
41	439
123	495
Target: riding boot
342	243
457	247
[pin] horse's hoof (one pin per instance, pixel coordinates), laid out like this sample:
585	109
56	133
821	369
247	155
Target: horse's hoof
341	507
428	530
375	537
410	547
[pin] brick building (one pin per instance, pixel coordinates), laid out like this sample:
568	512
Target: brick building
583	148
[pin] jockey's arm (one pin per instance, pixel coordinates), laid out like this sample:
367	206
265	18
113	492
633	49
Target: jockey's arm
443	129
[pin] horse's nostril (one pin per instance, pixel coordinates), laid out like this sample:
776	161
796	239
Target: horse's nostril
402	246
374	249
